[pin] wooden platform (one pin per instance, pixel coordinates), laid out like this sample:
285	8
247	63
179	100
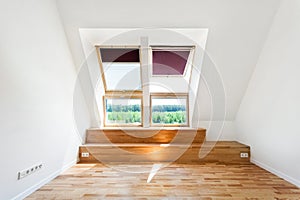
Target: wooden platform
156	136
224	152
177	181
135	146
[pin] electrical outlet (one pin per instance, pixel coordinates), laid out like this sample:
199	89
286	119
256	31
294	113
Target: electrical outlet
244	155
85	154
29	171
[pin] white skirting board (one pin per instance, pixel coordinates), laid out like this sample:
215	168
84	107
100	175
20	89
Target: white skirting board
277	173
46	180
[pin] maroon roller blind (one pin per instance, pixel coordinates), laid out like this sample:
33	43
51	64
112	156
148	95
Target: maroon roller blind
119	55
169	62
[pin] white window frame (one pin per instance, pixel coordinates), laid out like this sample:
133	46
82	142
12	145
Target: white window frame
98	47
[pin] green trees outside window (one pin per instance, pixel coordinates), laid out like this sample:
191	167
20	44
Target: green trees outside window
169	111
123	111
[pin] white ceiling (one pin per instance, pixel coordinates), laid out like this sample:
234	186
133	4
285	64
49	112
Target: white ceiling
237	31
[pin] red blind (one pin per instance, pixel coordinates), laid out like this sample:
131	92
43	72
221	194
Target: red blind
119	55
168	62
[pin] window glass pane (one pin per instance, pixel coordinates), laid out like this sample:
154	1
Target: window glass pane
123	111
169	110
122	76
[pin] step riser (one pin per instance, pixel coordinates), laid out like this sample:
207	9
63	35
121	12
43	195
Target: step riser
145	136
227	153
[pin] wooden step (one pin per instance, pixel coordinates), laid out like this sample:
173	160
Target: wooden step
142	136
223	152
219	152
133	153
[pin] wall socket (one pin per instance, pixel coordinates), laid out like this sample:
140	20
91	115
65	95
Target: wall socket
244	155
29	171
85	154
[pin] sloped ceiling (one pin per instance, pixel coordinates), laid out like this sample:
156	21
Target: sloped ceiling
237	31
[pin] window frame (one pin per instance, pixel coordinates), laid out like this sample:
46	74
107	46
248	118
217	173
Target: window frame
166	96
191	49
122	95
98	47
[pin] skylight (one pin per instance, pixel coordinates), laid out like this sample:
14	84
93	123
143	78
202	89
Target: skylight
120	68
123	93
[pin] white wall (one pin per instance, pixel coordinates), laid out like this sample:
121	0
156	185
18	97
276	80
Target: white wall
268	118
219	130
36	82
237	30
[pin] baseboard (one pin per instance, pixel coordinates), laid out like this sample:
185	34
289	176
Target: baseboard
46	180
277	173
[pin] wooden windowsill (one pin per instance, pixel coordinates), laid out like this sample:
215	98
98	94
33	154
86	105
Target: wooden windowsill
146	128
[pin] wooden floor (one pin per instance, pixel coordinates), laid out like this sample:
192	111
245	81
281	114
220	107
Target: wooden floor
176	181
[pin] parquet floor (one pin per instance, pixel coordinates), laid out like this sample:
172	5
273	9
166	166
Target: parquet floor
176	181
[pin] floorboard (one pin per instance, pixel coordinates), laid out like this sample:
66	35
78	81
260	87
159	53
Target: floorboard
175	181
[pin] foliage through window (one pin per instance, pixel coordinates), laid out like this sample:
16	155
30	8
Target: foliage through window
169	110
123	111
